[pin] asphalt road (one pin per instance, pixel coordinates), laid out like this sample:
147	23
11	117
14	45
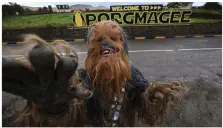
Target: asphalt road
197	61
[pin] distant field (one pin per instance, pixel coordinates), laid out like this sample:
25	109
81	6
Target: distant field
58	19
43	20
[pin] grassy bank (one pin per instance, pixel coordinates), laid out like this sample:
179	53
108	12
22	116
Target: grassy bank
43	20
56	19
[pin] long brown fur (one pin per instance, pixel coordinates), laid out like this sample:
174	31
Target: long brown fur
31	38
107	72
31	116
151	109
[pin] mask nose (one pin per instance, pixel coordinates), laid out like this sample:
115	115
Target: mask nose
106	44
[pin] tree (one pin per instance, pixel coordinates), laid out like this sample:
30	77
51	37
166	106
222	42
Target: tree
19	9
6	11
186	5
10	3
39	9
12	9
173	5
50	8
45	9
212	5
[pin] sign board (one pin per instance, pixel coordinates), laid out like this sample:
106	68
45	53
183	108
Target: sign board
133	15
126	8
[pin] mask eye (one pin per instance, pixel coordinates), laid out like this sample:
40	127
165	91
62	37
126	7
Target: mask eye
113	39
100	39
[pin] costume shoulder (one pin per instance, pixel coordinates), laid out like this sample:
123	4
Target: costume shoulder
138	80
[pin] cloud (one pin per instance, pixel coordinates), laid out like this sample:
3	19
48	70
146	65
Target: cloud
198	3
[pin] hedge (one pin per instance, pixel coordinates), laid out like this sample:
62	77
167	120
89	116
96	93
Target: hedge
207	14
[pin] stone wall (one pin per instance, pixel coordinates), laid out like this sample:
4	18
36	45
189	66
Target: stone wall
174	30
51	33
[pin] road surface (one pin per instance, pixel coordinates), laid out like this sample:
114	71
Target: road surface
195	61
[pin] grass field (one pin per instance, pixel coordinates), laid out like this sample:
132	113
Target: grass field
58	19
30	21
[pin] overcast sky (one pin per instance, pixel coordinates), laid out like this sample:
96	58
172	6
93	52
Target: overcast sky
106	4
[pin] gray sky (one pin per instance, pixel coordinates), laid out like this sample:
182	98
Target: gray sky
106	4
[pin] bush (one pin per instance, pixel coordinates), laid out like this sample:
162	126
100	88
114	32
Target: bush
173	5
206	14
38	13
12	9
212	5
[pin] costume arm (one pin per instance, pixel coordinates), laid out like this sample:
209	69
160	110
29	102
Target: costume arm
42	83
137	85
139	93
138	80
92	105
151	100
18	79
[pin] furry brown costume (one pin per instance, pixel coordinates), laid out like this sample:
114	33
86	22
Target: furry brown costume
108	72
49	82
114	82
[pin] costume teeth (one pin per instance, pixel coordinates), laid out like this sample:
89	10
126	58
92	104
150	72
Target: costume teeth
107	52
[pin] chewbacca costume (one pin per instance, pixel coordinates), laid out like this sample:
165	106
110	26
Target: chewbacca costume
120	90
49	83
114	91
